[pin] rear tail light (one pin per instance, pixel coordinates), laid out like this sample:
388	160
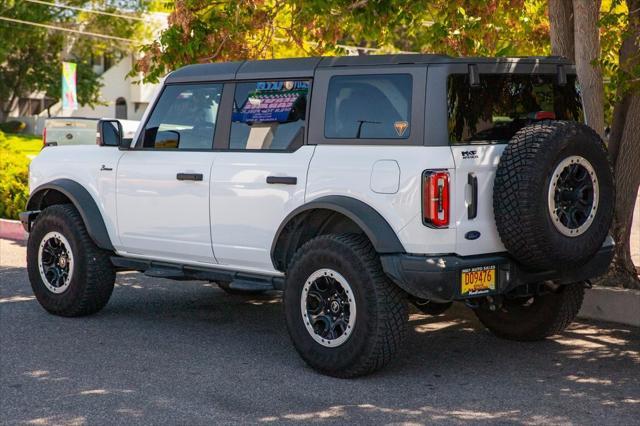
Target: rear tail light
44	137
435	198
543	115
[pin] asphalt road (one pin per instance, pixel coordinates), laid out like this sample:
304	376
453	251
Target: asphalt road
166	352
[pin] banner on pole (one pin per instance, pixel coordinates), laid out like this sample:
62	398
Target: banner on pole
69	96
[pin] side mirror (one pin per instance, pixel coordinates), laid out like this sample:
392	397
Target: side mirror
109	133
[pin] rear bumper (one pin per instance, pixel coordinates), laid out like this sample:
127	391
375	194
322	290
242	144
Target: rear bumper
438	278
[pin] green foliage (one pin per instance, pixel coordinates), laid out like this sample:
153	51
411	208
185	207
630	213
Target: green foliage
244	29
28	145
202	31
619	78
484	28
14	179
12	126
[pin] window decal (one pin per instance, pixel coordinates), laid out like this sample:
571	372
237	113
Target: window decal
400	127
269	115
273	101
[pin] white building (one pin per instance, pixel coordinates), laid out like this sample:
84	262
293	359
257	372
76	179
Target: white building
122	98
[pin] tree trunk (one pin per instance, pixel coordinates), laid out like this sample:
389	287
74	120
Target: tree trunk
561	31
629	60
627	172
624	141
624	148
8	107
587	51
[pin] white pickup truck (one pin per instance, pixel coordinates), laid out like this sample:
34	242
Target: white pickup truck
60	131
354	184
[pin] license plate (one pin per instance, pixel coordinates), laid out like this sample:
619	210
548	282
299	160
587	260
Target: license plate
478	280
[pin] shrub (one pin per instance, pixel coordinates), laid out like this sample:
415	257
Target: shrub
14	180
12	126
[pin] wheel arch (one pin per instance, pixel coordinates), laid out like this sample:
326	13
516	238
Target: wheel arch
67	191
335	213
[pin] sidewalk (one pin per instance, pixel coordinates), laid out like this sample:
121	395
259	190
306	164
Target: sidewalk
617	305
12	230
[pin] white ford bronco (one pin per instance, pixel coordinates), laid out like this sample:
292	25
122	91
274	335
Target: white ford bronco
353	184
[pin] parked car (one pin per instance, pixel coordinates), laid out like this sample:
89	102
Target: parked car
354	184
79	130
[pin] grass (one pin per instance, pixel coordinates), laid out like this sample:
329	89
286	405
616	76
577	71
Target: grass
26	144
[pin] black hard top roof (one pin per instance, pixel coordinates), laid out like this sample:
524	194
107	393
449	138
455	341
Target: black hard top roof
305	67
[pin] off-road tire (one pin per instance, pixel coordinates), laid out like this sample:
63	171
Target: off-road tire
93	276
382	314
549	314
520	195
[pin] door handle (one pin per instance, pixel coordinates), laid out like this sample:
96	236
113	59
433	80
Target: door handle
282	180
189	176
472	208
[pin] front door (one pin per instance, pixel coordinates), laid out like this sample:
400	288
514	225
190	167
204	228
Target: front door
163	183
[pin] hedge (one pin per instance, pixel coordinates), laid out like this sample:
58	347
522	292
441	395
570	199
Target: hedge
12	126
14	180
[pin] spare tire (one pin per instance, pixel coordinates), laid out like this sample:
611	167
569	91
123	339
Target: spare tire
553	195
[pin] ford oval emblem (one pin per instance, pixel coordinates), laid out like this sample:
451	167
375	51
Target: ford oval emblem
472	235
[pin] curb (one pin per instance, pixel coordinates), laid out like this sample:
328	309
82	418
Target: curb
619	305
12	230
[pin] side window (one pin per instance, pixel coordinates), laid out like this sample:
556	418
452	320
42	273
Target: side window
269	115
368	107
183	118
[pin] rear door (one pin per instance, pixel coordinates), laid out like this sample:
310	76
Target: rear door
473	206
260	176
163	184
481	121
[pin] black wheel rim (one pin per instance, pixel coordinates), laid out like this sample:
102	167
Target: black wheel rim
55	262
328	307
573	196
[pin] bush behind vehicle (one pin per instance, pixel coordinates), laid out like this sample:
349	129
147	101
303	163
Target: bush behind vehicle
14	179
13	126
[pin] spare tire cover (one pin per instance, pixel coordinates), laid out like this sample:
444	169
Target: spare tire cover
553	195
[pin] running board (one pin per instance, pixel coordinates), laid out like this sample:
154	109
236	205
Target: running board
250	285
237	280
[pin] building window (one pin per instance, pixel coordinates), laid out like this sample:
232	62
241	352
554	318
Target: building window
29	106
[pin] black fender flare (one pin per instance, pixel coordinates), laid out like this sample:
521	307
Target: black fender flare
376	228
82	201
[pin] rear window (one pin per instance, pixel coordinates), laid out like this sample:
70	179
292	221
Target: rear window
505	103
368	107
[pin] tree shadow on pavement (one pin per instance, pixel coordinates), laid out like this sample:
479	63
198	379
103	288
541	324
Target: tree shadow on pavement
186	352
